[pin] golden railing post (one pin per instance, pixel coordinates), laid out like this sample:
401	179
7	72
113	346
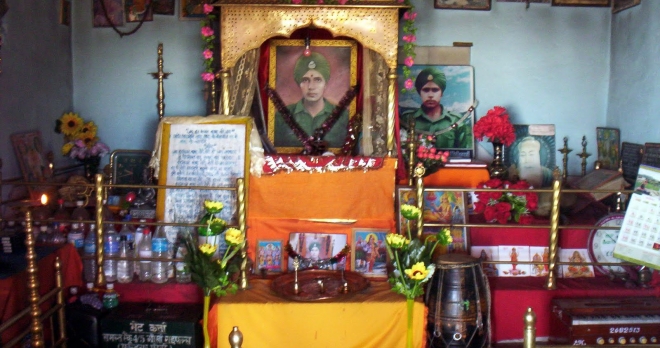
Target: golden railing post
391	77
224	77
33	283
59	299
242	225
419	174
554	230
98	186
529	334
235	338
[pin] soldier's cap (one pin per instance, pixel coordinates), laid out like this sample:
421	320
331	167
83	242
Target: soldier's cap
314	61
431	75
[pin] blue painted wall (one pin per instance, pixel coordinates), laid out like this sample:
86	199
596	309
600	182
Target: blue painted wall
545	64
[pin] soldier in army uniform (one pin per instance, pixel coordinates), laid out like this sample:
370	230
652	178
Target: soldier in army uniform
311	73
432	118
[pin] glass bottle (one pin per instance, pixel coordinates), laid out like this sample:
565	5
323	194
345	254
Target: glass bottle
124	267
159	249
144	250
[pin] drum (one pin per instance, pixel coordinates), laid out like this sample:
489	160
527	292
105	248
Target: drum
458	301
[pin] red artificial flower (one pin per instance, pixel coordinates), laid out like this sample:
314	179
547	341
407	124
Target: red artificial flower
495	126
501	207
525	219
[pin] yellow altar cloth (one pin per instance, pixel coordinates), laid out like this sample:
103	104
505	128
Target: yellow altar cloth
373	318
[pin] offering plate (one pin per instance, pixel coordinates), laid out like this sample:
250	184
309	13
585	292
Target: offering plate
319	285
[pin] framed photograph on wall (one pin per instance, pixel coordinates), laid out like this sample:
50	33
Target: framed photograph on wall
163	7
448	93
532	155
29	153
369	253
269	256
620	5
651	154
440	207
310	85
114	10
607	140
463	5
593	3
138	10
192	9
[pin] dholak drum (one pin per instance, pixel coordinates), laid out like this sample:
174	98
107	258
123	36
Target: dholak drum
458	299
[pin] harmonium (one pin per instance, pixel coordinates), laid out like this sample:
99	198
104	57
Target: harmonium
605	321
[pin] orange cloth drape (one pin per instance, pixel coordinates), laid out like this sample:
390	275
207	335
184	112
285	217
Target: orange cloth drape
375	317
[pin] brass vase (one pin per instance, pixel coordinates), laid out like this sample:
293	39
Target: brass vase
497	169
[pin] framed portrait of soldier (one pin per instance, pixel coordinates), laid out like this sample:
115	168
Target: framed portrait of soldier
531	156
311	84
439	106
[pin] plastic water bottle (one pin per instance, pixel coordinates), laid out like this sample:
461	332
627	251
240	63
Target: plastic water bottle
76	236
124	267
159	249
56	236
80	213
139	232
182	272
110	249
144	250
110	297
128	232
43	237
89	253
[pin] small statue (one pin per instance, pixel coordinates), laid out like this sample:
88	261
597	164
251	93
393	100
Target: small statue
146	196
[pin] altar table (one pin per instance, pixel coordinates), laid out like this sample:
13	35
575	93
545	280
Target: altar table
13	287
374	317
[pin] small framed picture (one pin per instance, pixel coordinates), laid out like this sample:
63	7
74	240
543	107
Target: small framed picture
369	253
440	207
193	9
138	11
631	158
316	249
651	155
163	7
463	5
269	256
113	14
607	140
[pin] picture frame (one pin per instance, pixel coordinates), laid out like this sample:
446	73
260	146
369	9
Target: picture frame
532	156
620	5
456	99
591	3
651	155
607	142
29	151
631	158
164	7
328	244
137	10
435	211
192	9
340	56
483	5
269	256
369	252
115	9
65	12
128	168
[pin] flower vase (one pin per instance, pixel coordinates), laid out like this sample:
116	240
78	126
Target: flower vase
205	321
91	167
497	169
410	305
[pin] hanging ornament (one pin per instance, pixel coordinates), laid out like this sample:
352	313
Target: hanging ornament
308	51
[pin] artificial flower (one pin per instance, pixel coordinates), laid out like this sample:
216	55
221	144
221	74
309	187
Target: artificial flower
208	249
213	225
80	138
408	84
208	77
409	30
213	207
207	9
208	54
68	124
408	61
410	212
417	272
396	241
234	236
501	207
495	126
207	31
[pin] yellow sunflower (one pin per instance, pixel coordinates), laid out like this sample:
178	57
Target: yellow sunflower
89	141
88	130
71	123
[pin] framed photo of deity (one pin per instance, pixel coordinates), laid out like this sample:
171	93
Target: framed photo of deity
446	114
269	256
442	208
369	253
531	156
311	94
318	249
607	140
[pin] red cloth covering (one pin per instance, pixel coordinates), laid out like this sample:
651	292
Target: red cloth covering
14	295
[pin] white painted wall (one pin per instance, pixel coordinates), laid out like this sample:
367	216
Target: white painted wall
633	96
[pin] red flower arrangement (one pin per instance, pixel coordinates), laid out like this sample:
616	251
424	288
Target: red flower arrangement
506	206
495	126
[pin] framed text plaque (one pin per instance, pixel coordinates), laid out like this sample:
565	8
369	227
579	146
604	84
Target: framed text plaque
631	157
